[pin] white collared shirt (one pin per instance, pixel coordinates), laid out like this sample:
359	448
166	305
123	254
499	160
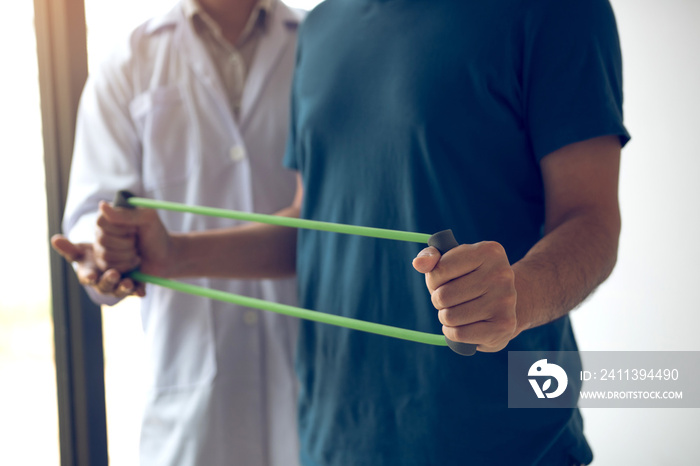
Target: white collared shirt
232	61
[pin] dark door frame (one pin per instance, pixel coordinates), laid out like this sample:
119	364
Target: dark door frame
62	59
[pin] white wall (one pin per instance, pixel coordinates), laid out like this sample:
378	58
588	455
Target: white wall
651	300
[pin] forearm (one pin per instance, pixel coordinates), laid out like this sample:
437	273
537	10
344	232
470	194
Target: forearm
482	299
564	267
251	251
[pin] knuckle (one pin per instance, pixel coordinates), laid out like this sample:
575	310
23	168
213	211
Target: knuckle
109	256
503	278
494	340
104	287
461	334
451	332
507	324
506	274
430	283
448	317
509	300
502	331
434	277
491	248
439	298
494	347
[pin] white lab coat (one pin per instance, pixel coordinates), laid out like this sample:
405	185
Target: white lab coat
154	119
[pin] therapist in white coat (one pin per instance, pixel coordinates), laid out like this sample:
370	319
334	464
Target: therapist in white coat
194	109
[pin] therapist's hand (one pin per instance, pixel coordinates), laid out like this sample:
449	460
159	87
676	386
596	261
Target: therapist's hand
130	238
473	288
108	282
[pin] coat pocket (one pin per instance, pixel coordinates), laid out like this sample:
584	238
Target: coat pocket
170	145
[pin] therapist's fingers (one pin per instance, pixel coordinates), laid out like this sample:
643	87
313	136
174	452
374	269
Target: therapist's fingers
117	230
66	248
120	260
87	273
80	254
139	289
122	217
116	242
153	243
120	241
111	283
115	247
108	282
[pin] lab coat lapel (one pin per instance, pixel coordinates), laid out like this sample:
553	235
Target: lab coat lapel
280	36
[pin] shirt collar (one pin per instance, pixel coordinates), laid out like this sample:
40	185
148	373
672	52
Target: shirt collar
258	16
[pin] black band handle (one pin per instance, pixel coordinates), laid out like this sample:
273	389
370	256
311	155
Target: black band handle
443	241
121	199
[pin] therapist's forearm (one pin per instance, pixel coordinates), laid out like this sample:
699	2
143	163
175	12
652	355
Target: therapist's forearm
251	251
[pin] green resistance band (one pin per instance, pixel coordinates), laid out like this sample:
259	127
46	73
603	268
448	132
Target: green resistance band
443	241
275	220
245	301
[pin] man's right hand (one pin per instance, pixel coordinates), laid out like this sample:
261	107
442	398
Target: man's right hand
108	282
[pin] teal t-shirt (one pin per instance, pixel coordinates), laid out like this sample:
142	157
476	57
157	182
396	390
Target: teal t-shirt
424	115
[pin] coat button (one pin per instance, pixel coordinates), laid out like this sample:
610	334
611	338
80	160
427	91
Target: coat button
250	317
237	153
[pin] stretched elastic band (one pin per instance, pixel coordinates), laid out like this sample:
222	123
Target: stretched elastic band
245	301
443	241
130	200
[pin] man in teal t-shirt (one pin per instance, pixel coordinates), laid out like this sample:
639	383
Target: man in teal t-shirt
500	120
424	116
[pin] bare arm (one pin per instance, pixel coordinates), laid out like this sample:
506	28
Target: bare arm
482	299
582	229
251	251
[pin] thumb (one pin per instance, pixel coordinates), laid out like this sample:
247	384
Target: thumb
426	260
65	248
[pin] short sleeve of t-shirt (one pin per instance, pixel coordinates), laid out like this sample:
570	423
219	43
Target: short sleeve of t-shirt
572	74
